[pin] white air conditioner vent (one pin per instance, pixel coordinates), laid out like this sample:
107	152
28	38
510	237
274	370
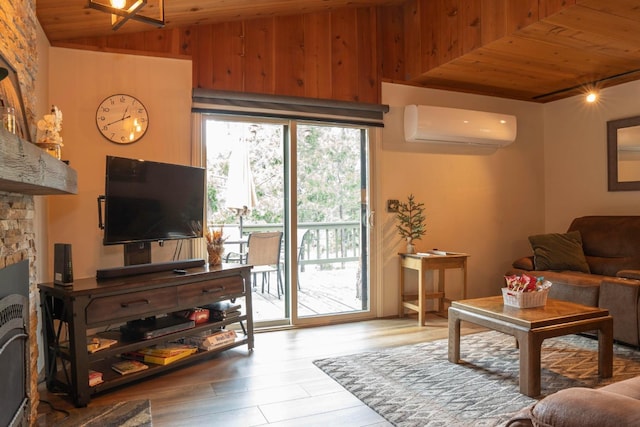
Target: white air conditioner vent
441	125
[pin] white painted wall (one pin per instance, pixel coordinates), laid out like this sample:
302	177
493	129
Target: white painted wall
575	146
481	204
78	82
41	202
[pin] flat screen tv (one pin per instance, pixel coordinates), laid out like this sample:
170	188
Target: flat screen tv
149	201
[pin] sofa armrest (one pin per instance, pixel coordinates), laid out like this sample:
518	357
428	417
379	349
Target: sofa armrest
524	263
621	297
629	274
586	407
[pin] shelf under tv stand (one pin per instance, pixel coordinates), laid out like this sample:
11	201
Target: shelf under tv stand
92	304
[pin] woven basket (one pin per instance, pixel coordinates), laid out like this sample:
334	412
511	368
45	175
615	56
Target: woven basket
524	299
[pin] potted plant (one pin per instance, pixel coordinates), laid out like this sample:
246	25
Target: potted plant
410	216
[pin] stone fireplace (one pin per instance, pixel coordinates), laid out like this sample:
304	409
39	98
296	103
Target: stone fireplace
25	171
14	344
17	248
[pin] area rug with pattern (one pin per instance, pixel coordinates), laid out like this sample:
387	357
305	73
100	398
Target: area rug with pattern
122	414
416	385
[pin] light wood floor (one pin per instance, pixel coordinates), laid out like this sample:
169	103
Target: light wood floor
276	384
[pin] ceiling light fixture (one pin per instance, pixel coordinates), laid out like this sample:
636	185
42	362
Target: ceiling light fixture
121	13
592	97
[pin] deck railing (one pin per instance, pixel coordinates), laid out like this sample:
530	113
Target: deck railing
319	243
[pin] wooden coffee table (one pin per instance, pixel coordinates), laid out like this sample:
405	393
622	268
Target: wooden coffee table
531	326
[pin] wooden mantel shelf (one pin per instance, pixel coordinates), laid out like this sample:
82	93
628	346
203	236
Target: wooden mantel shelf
27	169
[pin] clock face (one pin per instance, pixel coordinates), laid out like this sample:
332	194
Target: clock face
122	119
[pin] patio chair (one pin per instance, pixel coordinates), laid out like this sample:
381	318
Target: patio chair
264	255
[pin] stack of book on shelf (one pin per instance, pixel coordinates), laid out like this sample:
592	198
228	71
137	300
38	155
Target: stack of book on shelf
212	340
161	354
223	310
95	378
96	343
128	367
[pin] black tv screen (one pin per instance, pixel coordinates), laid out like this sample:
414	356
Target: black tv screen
150	201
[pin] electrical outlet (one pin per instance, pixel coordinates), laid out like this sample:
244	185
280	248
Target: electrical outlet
392	205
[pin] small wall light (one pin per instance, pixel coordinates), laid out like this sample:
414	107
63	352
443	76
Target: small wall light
592	97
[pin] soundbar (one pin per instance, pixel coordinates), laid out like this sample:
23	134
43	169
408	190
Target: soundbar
134	270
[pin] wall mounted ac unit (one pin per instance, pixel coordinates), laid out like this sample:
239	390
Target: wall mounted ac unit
425	123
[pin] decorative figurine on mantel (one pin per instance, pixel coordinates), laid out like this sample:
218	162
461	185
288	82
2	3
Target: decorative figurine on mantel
50	127
411	217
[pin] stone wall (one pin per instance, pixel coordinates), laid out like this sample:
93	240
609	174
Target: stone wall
18	25
17	243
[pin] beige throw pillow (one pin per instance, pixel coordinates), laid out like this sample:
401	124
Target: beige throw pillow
557	251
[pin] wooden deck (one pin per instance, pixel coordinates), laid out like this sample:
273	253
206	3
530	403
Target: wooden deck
322	291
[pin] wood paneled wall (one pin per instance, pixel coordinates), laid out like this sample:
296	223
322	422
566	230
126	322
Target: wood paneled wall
330	55
342	54
322	55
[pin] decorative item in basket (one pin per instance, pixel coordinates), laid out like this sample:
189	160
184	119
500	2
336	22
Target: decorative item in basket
525	291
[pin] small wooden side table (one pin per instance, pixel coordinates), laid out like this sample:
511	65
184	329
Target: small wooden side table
422	263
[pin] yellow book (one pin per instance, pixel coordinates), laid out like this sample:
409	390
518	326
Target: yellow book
160	360
165	350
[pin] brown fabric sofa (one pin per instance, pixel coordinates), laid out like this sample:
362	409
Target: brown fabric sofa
615	405
611	248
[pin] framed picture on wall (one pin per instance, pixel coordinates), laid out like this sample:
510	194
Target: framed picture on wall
10	96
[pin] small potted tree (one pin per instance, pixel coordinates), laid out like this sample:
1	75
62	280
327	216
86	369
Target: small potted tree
411	220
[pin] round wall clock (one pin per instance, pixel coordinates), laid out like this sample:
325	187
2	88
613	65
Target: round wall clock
122	119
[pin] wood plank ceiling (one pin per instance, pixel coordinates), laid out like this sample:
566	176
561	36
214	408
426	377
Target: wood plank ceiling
592	44
585	43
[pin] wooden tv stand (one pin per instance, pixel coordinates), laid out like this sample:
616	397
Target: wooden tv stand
91	306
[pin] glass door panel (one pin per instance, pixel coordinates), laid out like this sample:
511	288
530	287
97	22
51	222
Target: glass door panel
245	196
254	170
331	234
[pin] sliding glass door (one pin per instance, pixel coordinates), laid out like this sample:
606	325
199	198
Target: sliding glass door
307	181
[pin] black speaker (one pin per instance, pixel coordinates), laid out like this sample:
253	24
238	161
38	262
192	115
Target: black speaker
62	265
